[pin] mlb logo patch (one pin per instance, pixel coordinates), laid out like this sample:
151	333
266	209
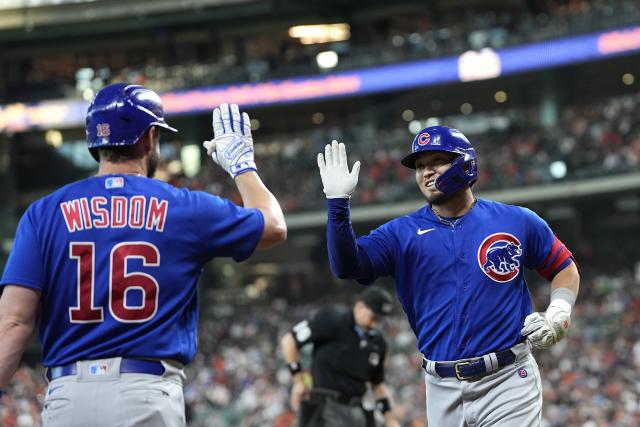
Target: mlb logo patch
98	369
114	182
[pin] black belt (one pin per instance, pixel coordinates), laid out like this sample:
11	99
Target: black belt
345	399
470	369
127	366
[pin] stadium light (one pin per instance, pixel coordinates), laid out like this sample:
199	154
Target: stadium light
53	138
408	115
558	169
327	60
317	118
628	79
323	33
190	158
500	96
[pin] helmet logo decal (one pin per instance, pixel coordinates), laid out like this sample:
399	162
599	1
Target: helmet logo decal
103	129
424	138
498	257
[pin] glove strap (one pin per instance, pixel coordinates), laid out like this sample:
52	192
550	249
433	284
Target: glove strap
242	167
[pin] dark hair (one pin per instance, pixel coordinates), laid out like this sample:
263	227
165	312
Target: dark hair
124	153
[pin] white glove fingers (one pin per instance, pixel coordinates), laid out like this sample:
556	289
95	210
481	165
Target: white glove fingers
335	153
321	164
225	112
355	171
342	156
246	124
234	112
328	155
218	128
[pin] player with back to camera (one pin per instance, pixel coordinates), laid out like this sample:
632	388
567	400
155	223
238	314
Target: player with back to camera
458	267
348	352
109	265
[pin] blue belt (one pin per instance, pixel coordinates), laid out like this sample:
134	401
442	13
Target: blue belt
127	366
472	368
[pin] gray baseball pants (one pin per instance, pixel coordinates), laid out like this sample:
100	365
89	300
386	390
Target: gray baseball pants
113	399
510	397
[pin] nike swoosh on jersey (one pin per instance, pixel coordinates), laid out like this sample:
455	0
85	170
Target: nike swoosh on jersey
421	231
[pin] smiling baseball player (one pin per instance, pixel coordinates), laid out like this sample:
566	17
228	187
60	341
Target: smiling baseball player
458	265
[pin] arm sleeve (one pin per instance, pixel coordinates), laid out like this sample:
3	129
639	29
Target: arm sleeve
25	264
320	328
362	259
224	228
545	252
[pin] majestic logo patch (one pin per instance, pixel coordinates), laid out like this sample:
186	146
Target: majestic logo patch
498	257
424	138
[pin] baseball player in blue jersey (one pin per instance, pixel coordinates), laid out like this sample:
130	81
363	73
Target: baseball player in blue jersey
458	266
108	266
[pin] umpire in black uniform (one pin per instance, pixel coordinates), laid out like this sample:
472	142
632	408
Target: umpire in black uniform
348	352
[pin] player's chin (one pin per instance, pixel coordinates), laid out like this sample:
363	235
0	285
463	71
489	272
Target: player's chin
435	197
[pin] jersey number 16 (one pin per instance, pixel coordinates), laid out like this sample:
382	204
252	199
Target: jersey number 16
120	281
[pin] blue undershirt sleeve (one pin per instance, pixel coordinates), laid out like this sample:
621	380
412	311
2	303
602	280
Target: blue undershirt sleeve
347	261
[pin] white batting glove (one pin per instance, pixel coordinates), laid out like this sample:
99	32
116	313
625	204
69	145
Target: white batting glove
543	330
337	181
232	144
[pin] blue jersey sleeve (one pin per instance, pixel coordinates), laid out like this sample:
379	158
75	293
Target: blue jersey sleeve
347	261
545	252
379	248
25	264
226	229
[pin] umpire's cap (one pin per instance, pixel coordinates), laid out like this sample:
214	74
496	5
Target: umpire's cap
378	300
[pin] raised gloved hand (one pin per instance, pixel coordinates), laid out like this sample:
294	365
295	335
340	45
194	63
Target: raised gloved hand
543	330
337	181
232	143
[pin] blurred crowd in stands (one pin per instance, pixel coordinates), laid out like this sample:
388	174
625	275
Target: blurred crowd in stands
205	60
588	141
238	379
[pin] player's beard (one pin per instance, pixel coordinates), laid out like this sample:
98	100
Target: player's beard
438	198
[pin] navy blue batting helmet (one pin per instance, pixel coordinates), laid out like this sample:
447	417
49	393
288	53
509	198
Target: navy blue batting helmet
464	169
120	114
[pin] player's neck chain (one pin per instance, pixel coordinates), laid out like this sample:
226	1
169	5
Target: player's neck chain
452	222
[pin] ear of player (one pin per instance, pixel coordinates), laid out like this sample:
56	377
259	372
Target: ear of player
543	330
232	144
337	181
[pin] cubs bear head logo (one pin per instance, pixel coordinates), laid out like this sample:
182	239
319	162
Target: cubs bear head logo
499	257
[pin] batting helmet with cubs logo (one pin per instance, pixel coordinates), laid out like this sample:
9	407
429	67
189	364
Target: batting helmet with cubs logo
120	114
463	171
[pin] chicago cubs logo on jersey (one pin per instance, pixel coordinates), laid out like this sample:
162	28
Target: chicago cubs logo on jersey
499	257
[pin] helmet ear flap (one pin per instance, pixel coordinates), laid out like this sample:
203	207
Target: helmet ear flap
462	173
